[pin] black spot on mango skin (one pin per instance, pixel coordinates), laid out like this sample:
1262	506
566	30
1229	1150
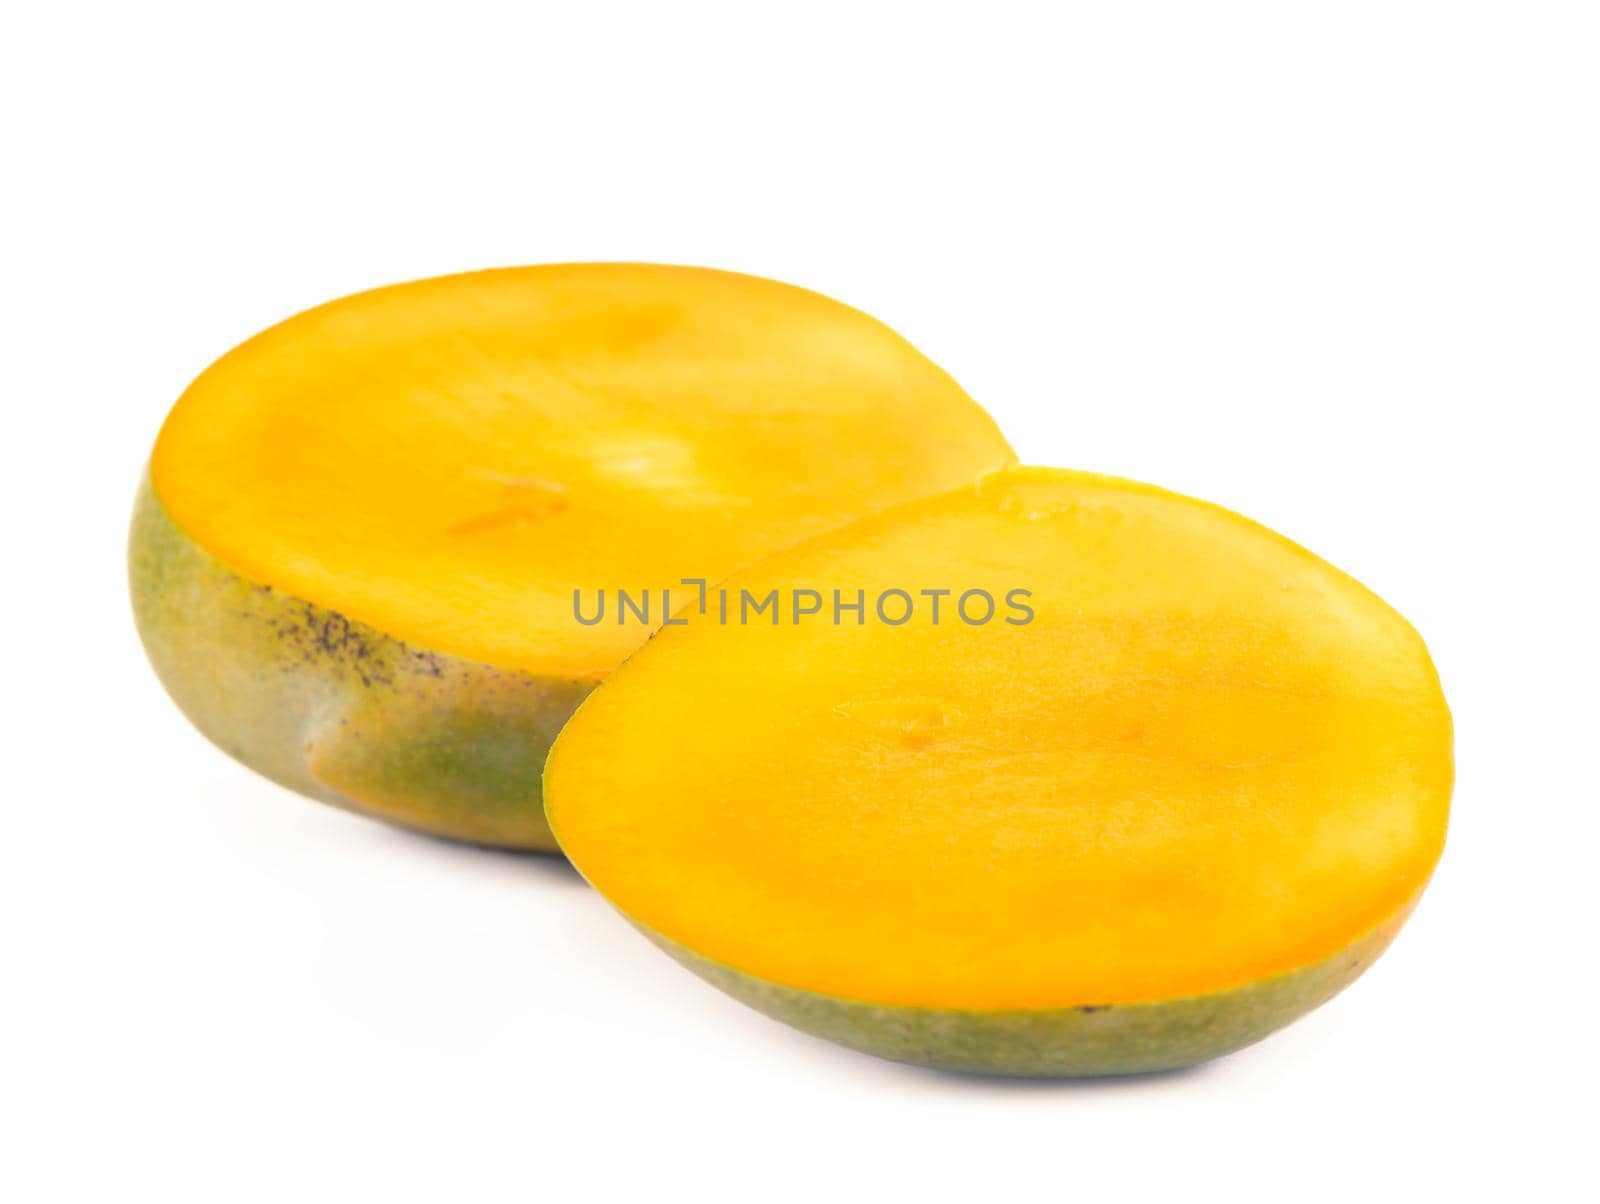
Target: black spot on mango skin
335	633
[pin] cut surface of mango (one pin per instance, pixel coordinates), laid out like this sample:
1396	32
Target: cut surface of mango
1209	758
447	461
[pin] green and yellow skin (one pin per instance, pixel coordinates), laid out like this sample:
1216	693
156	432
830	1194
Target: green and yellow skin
1076	1042
338	710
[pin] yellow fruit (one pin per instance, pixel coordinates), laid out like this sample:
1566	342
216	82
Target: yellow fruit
358	552
1181	785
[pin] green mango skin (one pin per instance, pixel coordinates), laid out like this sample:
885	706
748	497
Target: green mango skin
340	711
1075	1042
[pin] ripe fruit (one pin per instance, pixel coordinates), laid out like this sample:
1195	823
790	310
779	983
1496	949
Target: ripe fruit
355	555
1191	799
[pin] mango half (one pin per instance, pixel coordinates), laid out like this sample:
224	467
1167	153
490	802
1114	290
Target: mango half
366	536
1174	784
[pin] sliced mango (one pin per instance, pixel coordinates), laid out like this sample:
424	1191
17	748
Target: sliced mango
356	555
1180	786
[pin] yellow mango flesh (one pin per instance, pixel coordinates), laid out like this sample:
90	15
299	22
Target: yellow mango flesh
1209	760
447	461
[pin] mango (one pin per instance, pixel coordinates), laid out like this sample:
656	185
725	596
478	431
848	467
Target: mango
360	555
1098	779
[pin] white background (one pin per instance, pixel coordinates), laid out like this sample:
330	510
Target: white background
1334	265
